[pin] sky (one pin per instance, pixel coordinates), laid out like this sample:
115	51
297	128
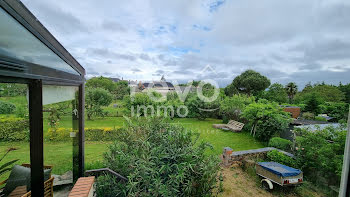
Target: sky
296	40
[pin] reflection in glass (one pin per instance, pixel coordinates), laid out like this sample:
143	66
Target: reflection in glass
17	42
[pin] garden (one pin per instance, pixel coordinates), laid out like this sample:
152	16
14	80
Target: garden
171	155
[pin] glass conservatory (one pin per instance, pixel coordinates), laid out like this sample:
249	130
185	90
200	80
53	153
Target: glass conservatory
36	66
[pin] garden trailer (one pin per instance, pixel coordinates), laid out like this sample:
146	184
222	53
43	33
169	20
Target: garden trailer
273	172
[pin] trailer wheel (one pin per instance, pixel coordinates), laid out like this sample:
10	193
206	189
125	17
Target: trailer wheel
266	184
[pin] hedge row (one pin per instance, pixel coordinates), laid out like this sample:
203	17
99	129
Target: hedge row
6	108
14	129
91	134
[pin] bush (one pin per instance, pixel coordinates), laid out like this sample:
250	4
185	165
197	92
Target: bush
320	153
14	129
95	99
281	158
266	119
308	116
91	134
7	108
280	143
231	107
160	159
320	118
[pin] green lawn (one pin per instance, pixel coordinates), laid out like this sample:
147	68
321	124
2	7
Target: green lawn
59	154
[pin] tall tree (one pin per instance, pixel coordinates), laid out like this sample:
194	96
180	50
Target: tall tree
291	89
101	82
276	93
250	82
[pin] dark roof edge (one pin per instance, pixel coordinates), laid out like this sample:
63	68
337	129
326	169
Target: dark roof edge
26	15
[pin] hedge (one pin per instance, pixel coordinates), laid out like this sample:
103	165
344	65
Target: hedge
280	143
14	129
91	134
6	108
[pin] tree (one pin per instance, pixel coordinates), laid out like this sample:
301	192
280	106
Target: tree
232	107
251	82
291	89
346	90
95	99
230	90
266	119
121	89
326	93
101	82
276	93
313	103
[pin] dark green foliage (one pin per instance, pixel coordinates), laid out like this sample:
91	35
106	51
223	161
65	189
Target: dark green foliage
14	129
109	186
91	134
320	154
339	111
266	119
7	108
346	90
291	89
308	116
231	90
276	93
96	98
101	82
232	107
161	159
12	89
325	93
281	158
250	82
121	89
312	104
200	109
280	143
320	118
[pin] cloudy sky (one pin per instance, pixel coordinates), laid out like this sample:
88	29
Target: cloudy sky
293	40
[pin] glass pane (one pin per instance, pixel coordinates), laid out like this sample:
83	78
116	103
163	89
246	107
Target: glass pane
17	42
60	131
14	137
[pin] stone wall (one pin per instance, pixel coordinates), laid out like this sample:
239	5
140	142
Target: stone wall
229	156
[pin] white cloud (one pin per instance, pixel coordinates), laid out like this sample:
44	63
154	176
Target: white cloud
285	40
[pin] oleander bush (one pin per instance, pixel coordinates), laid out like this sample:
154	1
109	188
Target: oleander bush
159	159
91	134
280	143
14	129
7	108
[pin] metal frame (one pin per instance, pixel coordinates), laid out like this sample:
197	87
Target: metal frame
18	71
36	137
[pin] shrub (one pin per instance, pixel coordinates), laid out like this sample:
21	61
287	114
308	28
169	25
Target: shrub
320	153
308	116
14	129
280	143
231	107
91	134
95	99
6	108
266	119
281	158
21	111
161	159
320	118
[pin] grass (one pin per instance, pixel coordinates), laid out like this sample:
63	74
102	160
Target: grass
58	154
